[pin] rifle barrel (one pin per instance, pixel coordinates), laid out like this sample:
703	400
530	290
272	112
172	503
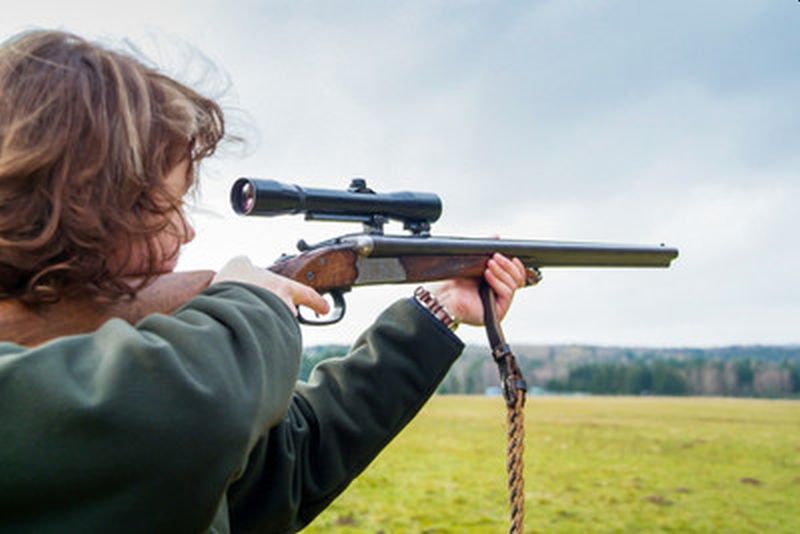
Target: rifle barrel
533	253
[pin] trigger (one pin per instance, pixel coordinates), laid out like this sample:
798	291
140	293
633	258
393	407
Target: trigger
335	315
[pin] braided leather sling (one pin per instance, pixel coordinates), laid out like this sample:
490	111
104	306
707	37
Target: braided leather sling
514	390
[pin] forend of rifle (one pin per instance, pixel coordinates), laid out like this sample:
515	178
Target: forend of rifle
358	203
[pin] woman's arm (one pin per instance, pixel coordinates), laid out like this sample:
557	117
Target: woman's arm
338	422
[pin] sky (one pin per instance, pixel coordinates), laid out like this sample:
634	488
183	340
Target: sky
618	121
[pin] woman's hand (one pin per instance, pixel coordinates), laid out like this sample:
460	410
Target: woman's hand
460	295
241	269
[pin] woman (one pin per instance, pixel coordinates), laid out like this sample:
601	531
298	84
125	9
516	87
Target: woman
192	421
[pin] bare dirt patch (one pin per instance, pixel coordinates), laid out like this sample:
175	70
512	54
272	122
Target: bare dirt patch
751	481
659	500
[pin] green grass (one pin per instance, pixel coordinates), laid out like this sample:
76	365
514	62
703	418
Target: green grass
592	464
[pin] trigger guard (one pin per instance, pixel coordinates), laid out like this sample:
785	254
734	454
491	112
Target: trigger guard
336	314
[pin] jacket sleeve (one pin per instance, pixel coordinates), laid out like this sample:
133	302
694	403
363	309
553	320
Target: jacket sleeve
341	419
143	427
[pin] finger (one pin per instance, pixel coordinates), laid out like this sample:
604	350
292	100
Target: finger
306	296
500	288
503	295
522	272
502	273
515	268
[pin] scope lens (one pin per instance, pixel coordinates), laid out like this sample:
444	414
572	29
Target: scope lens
247	197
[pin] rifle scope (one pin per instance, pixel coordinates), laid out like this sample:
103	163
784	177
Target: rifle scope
252	196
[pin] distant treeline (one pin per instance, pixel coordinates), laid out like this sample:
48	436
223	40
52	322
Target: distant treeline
737	378
751	371
748	371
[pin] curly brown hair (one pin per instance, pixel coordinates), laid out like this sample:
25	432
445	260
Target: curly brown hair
87	135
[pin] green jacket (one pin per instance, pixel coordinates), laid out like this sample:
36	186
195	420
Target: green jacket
195	421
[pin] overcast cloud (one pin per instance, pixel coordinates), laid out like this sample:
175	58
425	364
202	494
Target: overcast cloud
670	122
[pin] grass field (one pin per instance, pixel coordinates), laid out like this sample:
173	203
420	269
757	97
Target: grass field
593	464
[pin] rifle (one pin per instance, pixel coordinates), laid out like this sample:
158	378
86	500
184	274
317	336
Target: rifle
336	265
